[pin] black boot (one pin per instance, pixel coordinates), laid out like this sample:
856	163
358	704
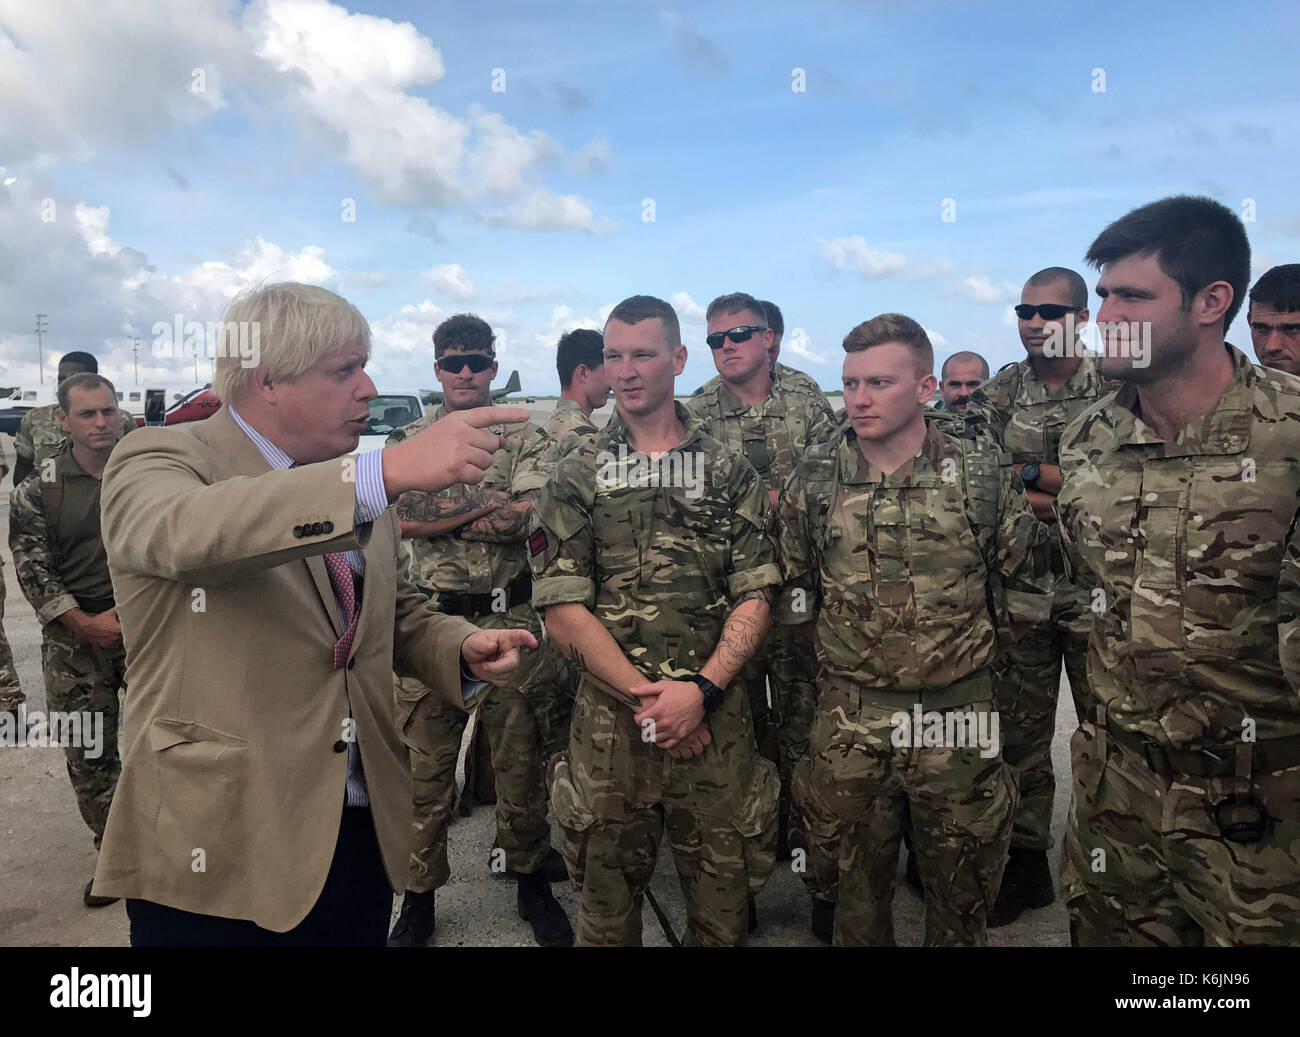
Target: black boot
1026	883
539	908
823	920
415	924
90	900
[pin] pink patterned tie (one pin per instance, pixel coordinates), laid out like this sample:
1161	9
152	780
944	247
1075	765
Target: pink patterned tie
345	592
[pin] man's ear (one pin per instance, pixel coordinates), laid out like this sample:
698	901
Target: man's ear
926	388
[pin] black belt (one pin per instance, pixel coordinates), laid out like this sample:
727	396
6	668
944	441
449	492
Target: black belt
519	591
1214	761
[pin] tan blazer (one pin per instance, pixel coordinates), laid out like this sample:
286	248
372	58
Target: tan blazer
234	726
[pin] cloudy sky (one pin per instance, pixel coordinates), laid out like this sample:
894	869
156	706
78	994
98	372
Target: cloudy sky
536	163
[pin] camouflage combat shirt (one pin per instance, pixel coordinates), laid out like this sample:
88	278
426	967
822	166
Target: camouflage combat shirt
899	565
448	563
1180	548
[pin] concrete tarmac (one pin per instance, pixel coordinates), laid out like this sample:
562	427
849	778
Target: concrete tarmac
47	854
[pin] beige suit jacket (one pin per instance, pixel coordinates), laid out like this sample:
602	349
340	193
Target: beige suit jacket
234	725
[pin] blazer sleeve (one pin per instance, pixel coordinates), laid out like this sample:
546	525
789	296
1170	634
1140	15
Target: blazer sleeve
426	642
164	515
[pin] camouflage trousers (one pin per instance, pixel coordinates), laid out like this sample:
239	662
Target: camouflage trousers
1027	685
855	790
786	666
614	793
509	716
11	694
611	860
84	678
1144	865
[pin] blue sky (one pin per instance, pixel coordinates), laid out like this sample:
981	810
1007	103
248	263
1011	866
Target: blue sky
526	204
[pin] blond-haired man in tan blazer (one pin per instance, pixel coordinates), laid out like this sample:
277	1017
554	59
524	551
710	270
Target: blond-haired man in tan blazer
261	584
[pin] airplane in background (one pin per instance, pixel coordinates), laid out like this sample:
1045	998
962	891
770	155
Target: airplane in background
433	397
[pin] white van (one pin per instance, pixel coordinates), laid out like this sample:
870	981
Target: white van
391	409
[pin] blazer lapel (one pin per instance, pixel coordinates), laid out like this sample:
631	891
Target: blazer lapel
230	441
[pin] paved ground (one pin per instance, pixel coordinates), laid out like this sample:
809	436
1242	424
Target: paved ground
46	853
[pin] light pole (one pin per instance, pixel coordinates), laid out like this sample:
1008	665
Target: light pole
40	344
135	354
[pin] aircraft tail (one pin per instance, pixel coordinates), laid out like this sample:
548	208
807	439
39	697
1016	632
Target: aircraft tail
511	386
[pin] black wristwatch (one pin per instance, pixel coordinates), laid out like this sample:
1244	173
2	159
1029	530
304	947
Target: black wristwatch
1029	475
712	693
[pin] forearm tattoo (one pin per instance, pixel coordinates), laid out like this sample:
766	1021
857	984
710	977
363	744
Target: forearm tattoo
419	506
509	521
741	635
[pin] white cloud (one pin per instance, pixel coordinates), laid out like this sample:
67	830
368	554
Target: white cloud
801	346
937	338
1009	317
451	280
687	308
979	288
347	80
854	255
545	211
98	293
592	157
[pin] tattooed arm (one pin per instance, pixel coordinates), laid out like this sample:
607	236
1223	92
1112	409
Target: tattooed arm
745	627
505	523
594	652
424	514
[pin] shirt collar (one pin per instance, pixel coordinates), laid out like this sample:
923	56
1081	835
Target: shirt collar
274	456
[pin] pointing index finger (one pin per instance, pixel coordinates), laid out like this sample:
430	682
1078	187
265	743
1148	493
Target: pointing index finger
481	417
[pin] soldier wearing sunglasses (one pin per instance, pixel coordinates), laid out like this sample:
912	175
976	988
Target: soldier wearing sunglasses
467	552
769	413
1024	408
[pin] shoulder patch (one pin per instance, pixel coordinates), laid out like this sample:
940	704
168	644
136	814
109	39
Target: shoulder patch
537	542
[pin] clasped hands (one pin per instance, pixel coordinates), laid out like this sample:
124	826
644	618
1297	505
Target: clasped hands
672	717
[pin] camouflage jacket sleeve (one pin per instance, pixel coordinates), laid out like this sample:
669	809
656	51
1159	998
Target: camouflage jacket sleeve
986	414
23	445
799	567
30	542
537	455
128	423
1288	606
1070	460
753	555
821	420
1024	558
4	460
560	544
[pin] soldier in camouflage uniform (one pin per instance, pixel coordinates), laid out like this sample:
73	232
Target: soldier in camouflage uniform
467	550
584	387
1180	493
40	435
655	579
63	571
1024	409
769	413
11	692
903	537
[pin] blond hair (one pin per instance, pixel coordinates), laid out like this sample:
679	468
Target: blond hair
297	324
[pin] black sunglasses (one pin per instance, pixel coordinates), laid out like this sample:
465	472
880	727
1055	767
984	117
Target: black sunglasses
1048	310
456	363
741	334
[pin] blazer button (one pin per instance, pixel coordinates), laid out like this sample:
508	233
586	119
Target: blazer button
340	746
317	529
327	527
297	532
352	663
